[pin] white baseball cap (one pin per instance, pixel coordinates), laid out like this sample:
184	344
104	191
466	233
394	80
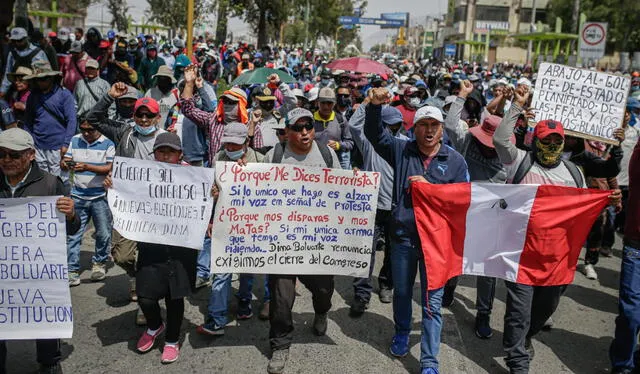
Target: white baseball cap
428	112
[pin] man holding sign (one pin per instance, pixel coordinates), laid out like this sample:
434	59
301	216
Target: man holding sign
20	176
299	149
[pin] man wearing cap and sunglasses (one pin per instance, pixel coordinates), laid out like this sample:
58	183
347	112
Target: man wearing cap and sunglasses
20	176
131	141
300	148
22	53
425	159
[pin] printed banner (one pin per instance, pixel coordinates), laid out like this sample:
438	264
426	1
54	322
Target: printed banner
288	219
35	302
590	104
161	203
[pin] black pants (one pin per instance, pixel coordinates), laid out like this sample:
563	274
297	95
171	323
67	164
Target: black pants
602	234
528	308
621	217
283	295
48	351
362	287
175	314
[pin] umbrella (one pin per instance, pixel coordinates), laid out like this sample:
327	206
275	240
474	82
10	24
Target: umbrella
259	76
359	65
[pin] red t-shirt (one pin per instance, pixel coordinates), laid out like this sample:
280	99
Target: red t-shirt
407	116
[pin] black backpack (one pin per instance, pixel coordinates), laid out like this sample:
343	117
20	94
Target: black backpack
527	164
278	153
24	61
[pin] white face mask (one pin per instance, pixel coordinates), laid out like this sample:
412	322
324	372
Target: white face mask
414	101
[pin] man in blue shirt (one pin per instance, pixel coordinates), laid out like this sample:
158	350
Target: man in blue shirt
89	158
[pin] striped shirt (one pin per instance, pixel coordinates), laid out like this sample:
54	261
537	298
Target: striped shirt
87	185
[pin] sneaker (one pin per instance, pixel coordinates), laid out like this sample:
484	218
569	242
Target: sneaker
132	290
429	371
203	282
244	310
386	295
483	328
50	369
358	307
399	345
146	341
320	324
606	251
278	361
170	353
210	328
264	312
529	347
548	324
98	272
74	278
141	320
590	272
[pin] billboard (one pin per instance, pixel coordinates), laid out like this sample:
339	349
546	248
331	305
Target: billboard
395	17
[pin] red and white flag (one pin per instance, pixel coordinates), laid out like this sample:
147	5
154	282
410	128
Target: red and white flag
528	234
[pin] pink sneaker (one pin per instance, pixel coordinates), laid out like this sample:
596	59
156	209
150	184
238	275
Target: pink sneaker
170	353
146	341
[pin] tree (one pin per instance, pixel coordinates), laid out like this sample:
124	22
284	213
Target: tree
264	16
623	17
173	13
118	10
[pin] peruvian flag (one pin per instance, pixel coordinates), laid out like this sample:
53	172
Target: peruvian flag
524	233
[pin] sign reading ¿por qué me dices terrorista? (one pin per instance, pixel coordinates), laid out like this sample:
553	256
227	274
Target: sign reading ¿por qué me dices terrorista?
289	219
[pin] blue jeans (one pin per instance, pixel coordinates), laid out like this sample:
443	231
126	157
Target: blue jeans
405	261
246	285
628	320
98	211
219	299
204	259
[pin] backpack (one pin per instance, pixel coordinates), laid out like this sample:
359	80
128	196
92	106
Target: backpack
527	164
278	153
24	61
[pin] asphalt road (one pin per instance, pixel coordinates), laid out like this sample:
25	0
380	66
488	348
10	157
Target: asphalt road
105	335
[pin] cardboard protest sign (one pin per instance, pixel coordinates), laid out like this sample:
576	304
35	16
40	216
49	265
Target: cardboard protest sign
161	203
35	302
590	104
290	219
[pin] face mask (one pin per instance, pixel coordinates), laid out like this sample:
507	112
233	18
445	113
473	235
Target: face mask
635	88
125	112
267	106
414	101
235	155
344	101
633	120
144	130
230	112
548	154
325	81
164	86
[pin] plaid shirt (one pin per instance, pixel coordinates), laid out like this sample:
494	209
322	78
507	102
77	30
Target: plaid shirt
208	122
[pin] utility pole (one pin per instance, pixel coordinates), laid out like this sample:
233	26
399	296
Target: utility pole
575	17
531	27
189	41
306	27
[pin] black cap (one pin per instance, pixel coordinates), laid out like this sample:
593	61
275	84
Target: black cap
168	139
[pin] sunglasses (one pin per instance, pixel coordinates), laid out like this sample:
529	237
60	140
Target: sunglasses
299	127
88	131
15	155
227	101
147	115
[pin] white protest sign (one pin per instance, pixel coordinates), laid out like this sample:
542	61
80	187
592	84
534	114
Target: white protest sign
589	104
289	219
161	203
35	302
593	39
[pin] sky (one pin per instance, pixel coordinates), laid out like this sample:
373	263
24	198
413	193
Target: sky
370	34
